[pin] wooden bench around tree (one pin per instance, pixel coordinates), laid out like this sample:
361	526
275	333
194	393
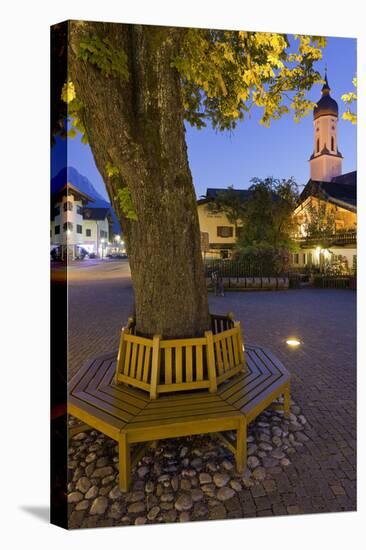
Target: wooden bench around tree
128	415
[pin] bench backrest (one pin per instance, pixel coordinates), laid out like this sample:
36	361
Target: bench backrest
160	366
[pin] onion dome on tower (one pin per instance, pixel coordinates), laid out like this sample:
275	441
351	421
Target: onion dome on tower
326	104
326	159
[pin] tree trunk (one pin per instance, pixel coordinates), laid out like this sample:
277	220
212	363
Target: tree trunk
137	126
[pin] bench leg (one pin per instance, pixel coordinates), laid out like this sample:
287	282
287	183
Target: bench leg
286	401
241	445
124	462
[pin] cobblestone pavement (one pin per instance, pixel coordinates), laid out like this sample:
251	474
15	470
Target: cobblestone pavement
322	474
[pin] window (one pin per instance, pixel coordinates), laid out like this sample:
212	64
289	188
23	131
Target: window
317	146
225	231
296	258
239	232
88	232
56	211
103	234
57	229
79	209
304	259
332	144
67	206
79	228
68	226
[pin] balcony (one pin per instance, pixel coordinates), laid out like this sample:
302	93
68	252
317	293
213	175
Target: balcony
340	238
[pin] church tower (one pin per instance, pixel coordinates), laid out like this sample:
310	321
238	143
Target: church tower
326	160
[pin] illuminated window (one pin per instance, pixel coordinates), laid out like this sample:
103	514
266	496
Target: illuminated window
225	231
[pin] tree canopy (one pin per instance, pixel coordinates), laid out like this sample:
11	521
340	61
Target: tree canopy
128	89
348	99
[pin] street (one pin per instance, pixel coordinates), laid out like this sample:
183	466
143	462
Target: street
322	476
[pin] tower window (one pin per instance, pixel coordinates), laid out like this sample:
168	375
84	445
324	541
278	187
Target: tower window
332	143
317	146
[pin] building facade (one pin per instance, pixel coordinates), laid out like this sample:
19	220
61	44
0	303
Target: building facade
218	234
76	227
330	195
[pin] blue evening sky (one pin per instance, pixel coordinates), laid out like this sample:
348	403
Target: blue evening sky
282	150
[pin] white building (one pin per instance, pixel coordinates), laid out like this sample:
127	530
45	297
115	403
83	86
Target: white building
330	191
77	226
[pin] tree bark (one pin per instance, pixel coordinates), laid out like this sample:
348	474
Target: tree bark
138	127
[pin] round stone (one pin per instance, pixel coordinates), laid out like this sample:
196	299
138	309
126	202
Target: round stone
143	471
107	480
225	493
264	446
276	440
185	484
285	462
153	513
200	510
277	431
149	487
136	508
102	461
236	485
90	457
75	496
92	493
252	448
227	465
83	505
277	453
99	506
205	478
167	497
221	479
184	503
175	483
115	493
80	436
83	485
116	510
183	452
196	463
259	474
197	495
103	472
184	516
253	462
135	496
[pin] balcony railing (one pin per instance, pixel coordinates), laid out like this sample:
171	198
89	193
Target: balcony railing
340	238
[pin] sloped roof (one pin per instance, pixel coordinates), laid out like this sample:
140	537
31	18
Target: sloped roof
341	191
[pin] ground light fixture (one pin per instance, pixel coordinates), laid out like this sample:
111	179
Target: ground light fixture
293	342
